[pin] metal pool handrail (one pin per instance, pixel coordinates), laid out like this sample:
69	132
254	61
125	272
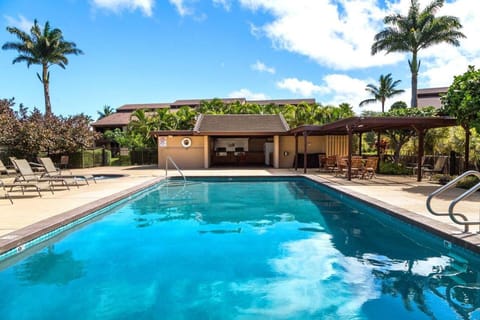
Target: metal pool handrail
454	202
176	167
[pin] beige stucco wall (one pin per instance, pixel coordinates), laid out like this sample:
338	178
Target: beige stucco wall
330	145
336	145
185	158
195	156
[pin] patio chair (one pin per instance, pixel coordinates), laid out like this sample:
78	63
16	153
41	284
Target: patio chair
438	167
5	170
357	166
330	163
370	167
414	166
6	195
341	165
53	172
26	175
37	186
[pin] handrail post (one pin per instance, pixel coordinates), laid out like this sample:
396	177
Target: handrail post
176	167
453	216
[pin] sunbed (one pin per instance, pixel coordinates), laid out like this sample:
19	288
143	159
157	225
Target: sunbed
53	172
7	196
26	175
5	170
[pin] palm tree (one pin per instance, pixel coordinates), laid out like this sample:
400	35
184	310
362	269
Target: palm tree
385	90
107	110
45	47
418	30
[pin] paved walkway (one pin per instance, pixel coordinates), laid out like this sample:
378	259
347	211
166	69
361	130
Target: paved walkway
30	212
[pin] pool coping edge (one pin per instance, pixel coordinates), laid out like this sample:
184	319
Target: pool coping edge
18	238
467	240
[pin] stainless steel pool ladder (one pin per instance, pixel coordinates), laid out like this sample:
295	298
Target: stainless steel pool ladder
451	207
176	167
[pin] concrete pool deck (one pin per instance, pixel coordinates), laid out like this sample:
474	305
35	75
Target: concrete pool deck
30	215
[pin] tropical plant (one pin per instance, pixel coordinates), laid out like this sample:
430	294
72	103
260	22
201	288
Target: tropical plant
27	134
386	89
462	101
186	118
107	110
44	47
418	30
398	105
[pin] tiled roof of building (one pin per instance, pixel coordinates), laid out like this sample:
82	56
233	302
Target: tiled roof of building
132	107
432	91
241	123
114	120
196	102
282	102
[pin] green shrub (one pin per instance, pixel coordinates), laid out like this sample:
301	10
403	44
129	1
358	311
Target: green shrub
467	182
89	158
395	169
125	160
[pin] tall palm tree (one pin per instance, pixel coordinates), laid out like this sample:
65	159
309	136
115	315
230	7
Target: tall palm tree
44	47
385	90
107	110
418	30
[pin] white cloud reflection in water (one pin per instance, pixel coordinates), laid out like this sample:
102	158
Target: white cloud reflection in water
313	278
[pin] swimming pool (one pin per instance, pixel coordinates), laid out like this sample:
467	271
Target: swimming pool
241	248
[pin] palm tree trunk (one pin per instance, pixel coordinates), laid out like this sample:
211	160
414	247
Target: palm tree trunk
414	66
46	89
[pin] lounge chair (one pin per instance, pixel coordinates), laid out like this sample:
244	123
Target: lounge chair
7	196
438	167
37	186
53	172
5	170
26	175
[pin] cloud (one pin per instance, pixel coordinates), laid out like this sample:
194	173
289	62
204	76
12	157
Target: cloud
226	4
440	63
261	67
247	94
303	284
182	9
339	88
302	87
118	5
21	23
337	34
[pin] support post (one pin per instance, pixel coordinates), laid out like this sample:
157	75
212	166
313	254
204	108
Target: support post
350	149
360	143
296	152
421	143
305	136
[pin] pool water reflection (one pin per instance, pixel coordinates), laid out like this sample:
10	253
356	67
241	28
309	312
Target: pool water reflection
242	249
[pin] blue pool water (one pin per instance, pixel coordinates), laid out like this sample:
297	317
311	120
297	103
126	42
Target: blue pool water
287	249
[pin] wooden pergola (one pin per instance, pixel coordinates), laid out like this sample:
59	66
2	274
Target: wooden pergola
359	125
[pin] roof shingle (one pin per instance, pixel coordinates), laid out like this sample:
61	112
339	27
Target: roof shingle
235	123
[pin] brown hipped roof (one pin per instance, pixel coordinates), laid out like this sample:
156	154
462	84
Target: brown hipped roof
366	124
197	102
241	124
114	120
149	106
235	124
282	102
